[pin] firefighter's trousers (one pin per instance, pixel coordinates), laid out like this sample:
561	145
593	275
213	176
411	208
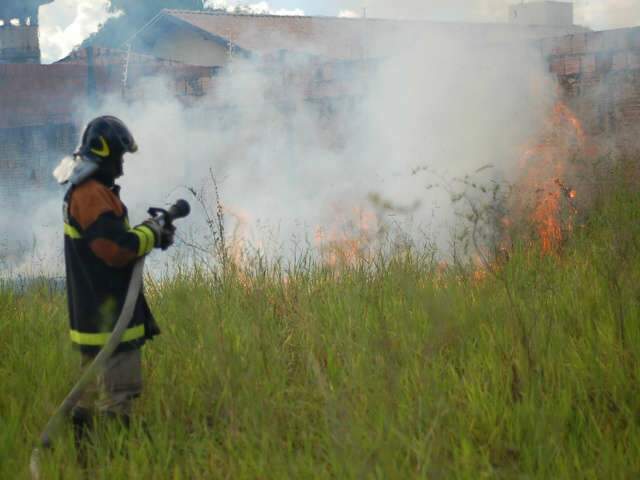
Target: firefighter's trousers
113	391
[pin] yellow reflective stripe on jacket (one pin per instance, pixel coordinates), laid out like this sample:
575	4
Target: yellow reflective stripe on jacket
72	232
147	239
100	339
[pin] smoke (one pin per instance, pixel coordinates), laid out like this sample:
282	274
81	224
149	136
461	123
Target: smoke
290	168
287	172
609	13
65	24
31	244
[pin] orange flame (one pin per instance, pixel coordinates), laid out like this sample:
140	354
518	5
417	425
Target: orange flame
544	165
348	240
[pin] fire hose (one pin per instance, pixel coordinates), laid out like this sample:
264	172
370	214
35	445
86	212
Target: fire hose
179	210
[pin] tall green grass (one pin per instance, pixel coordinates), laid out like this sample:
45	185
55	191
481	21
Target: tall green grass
404	370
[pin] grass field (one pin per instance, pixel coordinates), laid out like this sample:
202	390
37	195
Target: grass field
402	370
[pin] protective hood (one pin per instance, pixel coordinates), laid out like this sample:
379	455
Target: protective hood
75	170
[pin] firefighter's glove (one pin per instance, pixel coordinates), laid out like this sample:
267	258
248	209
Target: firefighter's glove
164	235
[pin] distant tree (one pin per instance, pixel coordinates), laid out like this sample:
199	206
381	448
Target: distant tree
135	14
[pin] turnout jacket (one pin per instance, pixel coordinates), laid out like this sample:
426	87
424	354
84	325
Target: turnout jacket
100	251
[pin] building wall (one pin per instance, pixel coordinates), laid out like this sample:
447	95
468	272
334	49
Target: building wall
29	155
19	44
600	77
40	107
37	123
542	13
599	73
188	47
40	94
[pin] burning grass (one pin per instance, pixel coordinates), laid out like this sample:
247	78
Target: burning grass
398	368
543	195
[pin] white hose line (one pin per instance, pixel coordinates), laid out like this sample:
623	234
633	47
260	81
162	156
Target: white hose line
98	364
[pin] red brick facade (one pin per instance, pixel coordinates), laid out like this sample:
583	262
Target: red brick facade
599	73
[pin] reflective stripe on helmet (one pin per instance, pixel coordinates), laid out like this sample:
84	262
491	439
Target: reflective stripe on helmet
99	339
104	150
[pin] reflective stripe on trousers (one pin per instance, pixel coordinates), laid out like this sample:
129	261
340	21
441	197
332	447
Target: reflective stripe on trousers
100	339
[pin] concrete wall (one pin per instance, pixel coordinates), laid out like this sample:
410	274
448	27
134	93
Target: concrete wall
600	77
19	44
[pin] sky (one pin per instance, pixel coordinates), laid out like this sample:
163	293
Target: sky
66	23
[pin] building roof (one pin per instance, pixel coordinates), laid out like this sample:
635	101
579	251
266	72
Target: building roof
336	38
331	37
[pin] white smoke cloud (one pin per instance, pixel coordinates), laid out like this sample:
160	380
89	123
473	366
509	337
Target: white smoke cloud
604	14
259	8
286	169
278	168
65	24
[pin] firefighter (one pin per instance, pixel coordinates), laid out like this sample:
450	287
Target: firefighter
100	251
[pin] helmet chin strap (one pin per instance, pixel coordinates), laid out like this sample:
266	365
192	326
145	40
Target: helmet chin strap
109	171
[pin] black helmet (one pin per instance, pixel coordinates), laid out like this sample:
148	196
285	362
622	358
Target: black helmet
105	141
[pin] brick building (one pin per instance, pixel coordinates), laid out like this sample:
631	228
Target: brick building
599	73
43	104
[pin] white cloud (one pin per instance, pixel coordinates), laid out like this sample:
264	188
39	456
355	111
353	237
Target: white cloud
259	8
65	24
